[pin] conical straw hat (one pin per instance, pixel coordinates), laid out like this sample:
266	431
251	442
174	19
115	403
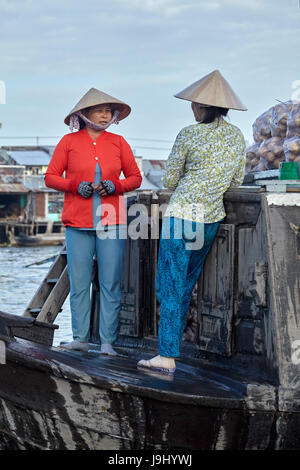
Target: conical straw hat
212	90
94	97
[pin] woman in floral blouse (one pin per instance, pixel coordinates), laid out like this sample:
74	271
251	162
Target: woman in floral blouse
207	158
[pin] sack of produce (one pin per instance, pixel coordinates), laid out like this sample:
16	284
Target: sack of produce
251	166
293	122
252	157
291	149
279	118
260	166
271	152
251	151
261	127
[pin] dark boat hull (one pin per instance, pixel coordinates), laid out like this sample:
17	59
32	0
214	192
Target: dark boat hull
51	399
237	386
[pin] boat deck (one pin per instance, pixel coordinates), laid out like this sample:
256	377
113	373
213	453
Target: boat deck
193	385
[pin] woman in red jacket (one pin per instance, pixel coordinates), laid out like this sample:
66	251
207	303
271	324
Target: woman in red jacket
86	165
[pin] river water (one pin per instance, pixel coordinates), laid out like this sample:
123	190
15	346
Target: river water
18	283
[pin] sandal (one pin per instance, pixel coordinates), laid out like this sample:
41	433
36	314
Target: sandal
146	364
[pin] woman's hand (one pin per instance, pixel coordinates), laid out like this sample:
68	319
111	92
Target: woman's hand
85	189
105	187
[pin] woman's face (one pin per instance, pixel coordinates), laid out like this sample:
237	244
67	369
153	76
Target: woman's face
199	111
100	114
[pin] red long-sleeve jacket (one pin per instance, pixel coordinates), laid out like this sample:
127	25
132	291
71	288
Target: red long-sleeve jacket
77	155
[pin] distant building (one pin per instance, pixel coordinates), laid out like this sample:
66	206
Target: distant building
34	159
13	193
23	193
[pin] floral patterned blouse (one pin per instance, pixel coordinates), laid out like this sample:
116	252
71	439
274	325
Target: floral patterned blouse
206	160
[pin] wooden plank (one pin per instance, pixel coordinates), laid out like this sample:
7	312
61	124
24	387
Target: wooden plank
223	265
129	323
154	244
284	286
242	212
38	300
12	320
210	281
292	190
27	328
55	300
215	300
5	333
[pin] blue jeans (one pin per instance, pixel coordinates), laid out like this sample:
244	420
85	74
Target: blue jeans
81	246
177	273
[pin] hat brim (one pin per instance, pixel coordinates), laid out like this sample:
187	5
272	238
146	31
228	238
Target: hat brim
96	97
229	106
212	90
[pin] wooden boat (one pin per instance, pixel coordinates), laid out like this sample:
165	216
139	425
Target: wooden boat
46	239
236	385
52	399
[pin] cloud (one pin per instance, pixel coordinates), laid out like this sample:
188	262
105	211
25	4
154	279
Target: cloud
18	7
210	5
48	20
245	4
7	6
164	7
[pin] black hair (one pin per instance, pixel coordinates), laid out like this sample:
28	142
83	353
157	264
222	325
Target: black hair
81	123
213	112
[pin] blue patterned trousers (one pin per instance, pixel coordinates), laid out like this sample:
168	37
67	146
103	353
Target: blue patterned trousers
177	273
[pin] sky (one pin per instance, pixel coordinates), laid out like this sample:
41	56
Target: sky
142	52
